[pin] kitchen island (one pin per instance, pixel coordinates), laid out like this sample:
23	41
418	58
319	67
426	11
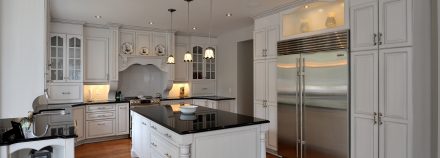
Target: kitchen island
163	131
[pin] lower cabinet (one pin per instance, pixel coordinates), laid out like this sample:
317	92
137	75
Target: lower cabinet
268	112
123	119
100	128
101	120
141	136
78	120
65	92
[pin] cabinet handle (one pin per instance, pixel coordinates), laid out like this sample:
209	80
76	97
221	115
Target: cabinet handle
153	144
168	155
380	118
374	118
168	135
380	39
153	127
65	93
374	39
100	108
123	108
101	116
101	124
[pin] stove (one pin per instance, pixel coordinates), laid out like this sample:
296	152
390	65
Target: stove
143	101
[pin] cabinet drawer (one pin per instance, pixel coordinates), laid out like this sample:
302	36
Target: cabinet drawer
100	115
100	107
64	93
203	89
100	128
164	132
163	148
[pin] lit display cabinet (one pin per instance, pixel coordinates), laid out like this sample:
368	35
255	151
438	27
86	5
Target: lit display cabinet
314	18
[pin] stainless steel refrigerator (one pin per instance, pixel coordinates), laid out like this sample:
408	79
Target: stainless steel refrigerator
313	101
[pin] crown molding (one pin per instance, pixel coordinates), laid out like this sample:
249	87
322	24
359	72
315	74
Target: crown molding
281	8
111	25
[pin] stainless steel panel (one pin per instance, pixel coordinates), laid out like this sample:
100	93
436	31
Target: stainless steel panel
288	99
325	106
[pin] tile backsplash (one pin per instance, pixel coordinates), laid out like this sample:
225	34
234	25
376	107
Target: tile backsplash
96	92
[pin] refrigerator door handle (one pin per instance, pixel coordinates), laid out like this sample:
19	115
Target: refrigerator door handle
303	65
298	103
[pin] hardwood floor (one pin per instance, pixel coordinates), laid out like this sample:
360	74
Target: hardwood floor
109	149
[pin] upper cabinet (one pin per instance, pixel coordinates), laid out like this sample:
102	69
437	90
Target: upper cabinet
202	69
96	60
381	24
65	58
144	43
265	42
313	18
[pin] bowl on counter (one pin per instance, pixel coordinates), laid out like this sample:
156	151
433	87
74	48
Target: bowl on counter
188	117
188	109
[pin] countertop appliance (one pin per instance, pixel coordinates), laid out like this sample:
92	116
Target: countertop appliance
312	93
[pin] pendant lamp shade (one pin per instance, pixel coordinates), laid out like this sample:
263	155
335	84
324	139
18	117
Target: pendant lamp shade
209	53
171	60
188	57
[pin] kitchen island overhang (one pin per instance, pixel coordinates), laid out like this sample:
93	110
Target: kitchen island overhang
162	131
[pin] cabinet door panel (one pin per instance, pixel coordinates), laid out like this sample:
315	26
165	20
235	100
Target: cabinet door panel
272	134
395	84
395	18
271	80
259	110
123	119
364	26
259	80
100	128
259	43
364	83
78	118
364	138
181	68
394	140
96	60
142	42
273	35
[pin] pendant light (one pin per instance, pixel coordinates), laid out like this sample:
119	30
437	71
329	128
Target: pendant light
209	52
188	56
171	59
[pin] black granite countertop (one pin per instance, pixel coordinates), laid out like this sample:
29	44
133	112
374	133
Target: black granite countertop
99	102
41	121
215	98
204	119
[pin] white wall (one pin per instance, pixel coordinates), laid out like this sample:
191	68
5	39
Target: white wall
422	79
227	60
23	30
245	78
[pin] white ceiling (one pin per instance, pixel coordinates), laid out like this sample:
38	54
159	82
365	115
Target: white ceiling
138	12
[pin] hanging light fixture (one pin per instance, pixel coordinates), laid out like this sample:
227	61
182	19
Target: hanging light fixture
209	52
171	59
188	56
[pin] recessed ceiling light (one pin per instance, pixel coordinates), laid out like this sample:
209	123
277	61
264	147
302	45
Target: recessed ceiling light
195	28
228	14
306	6
98	16
150	22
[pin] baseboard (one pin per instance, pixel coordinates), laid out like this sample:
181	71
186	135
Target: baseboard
102	139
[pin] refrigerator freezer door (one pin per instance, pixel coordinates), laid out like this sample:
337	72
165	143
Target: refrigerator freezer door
288	98
325	107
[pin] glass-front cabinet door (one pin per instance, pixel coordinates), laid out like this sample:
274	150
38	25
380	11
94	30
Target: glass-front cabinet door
210	68
74	56
56	57
197	71
202	68
65	58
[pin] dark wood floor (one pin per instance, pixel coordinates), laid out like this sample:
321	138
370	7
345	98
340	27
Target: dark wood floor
109	149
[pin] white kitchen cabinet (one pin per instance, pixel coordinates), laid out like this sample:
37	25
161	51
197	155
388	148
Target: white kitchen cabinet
395	102
65	58
265	75
96	59
65	92
123	119
202	69
381	91
386	24
265	42
181	67
79	121
203	88
268	112
141	136
364	26
100	128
